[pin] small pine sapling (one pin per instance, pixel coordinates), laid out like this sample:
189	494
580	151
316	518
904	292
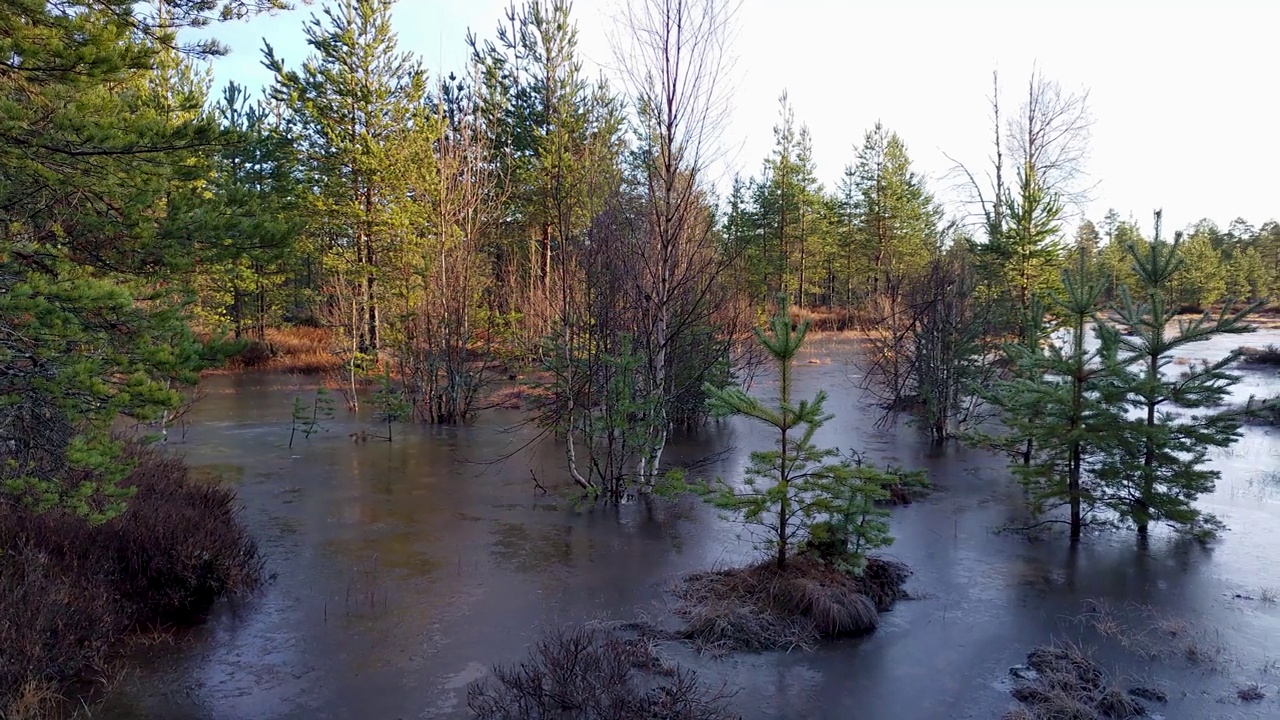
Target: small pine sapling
390	403
308	418
796	486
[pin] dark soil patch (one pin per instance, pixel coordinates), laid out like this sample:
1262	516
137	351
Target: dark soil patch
763	607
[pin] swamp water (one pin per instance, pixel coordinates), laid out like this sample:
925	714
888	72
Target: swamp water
402	571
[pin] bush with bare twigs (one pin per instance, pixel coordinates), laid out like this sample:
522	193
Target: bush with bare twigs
590	674
71	593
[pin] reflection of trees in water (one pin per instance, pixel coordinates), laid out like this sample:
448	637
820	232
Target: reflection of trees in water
530	548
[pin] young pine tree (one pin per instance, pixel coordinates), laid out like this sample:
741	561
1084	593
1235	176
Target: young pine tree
1057	404
1158	467
795	484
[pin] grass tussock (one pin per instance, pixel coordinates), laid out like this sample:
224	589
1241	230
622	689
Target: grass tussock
591	674
301	350
1264	356
1062	682
516	397
1251	693
72	594
763	607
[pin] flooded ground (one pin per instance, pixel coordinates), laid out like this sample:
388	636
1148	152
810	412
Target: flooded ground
401	571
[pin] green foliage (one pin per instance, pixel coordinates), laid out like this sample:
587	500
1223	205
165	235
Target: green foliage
353	105
309	418
787	212
106	150
788	488
1248	277
389	402
1112	428
1024	259
1059	403
894	218
593	380
1201	278
1114	260
1158	468
254	223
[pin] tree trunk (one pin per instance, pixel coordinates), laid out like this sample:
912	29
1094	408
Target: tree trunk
546	258
1073	490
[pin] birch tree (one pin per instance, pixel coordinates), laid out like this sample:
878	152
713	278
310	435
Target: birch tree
674	58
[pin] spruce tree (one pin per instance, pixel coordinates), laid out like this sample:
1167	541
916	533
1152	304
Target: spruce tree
1157	468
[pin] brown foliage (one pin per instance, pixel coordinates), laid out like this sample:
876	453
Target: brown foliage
296	349
72	593
763	607
589	674
833	319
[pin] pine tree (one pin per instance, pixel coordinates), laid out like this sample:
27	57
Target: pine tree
1201	279
790	487
897	218
1026	257
102	159
1248	277
786	204
352	99
1157	469
1114	259
557	134
1058	404
252	247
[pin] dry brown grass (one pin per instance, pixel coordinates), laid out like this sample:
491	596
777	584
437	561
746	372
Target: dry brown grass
829	319
1268	356
515	397
763	607
35	700
1069	685
300	350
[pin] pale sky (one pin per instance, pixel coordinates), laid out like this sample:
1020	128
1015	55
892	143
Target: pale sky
1185	95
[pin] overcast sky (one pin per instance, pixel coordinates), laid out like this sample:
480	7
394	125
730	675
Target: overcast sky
1185	95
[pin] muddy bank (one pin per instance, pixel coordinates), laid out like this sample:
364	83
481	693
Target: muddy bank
404	570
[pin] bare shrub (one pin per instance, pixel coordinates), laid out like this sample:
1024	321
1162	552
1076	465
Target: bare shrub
72	592
589	674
